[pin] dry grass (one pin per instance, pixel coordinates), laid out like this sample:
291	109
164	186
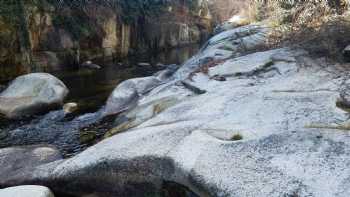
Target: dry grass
299	12
319	26
322	27
327	40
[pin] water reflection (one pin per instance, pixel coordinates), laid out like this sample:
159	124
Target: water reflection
90	89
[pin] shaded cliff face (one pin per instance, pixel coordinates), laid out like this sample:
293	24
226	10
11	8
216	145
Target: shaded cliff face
43	35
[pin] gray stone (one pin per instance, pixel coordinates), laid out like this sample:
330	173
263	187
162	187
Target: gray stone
167	73
256	63
16	160
242	39
32	93
226	45
69	108
26	191
142	113
160	65
126	95
143	64
90	65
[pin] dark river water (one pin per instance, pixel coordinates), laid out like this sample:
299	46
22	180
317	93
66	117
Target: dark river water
90	89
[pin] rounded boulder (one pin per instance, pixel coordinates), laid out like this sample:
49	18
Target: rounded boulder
31	94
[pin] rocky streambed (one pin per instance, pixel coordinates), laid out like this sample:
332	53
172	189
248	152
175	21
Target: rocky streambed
89	88
230	121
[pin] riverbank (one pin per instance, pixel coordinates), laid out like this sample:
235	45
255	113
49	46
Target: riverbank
230	122
90	90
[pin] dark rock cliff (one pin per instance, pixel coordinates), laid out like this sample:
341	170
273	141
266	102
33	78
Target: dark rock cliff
43	35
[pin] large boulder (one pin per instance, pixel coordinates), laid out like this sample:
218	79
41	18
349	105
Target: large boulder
231	43
242	39
30	94
26	191
126	95
15	160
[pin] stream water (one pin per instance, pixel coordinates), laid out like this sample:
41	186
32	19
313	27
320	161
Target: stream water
90	89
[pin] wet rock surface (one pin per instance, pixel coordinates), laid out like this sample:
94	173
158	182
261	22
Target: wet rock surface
55	128
89	90
90	65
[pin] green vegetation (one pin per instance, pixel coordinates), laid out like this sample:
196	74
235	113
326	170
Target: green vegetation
133	9
13	14
14	32
77	25
236	137
87	137
130	10
76	30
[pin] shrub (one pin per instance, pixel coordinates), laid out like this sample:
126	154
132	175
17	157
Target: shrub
319	26
236	137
